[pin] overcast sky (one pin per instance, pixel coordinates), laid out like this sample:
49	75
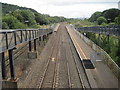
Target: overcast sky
66	8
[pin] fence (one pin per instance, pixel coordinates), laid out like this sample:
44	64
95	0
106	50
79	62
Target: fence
10	38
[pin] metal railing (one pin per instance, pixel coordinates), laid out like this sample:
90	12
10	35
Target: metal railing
107	30
10	38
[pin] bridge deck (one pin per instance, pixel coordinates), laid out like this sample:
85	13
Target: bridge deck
58	66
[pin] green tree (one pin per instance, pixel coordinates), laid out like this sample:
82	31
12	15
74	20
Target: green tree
95	16
117	20
12	22
7	8
101	20
25	16
118	52
20	25
4	25
18	15
41	19
111	14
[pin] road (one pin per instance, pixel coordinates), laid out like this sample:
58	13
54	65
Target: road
59	65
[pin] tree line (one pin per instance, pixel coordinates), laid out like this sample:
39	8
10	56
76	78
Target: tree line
15	17
109	16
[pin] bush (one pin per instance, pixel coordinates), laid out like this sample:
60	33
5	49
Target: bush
4	25
94	16
101	20
12	22
117	20
111	14
25	16
20	25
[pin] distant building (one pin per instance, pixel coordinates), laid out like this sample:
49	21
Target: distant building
119	5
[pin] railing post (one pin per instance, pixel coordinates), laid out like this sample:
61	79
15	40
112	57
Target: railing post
6	36
32	54
21	36
2	57
42	38
39	38
15	37
32	34
30	46
11	62
26	35
34	44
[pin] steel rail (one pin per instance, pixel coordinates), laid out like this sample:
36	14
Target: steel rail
46	67
56	64
83	68
80	77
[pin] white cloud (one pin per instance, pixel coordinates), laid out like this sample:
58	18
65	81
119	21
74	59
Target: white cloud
67	8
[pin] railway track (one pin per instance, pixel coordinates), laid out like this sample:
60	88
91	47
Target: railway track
65	38
79	65
51	73
72	50
56	72
79	71
61	58
68	66
52	60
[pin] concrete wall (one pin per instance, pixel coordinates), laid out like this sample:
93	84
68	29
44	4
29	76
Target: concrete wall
106	58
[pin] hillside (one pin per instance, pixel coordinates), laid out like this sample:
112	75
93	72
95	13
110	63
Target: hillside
6	8
16	17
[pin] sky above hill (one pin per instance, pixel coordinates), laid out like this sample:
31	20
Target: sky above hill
66	8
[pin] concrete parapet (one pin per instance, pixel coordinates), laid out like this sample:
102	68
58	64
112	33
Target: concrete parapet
32	55
112	65
56	27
